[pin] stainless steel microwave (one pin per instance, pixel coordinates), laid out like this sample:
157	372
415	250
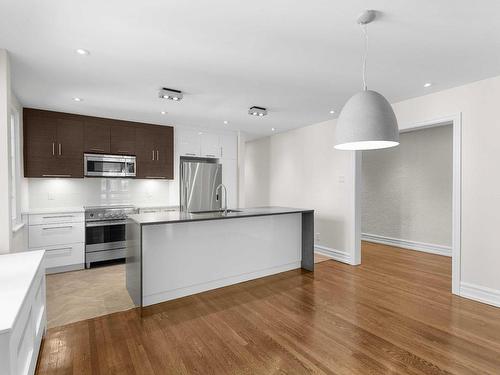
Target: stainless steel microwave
109	165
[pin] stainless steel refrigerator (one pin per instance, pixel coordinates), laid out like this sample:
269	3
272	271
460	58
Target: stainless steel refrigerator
198	181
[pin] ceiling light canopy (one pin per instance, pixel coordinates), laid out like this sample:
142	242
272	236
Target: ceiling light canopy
367	121
76	99
170	94
428	84
257	111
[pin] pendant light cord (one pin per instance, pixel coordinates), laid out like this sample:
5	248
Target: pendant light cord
365	56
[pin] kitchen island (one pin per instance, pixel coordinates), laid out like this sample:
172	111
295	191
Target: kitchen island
176	254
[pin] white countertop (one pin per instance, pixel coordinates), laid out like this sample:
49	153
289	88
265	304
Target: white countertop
17	272
53	210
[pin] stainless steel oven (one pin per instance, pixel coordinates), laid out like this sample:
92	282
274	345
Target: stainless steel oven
105	236
109	165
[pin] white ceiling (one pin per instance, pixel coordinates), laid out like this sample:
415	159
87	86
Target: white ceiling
297	58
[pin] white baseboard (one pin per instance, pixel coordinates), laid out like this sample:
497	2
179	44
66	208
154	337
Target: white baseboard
407	244
480	293
341	256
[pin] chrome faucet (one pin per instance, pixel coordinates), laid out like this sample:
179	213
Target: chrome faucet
225	196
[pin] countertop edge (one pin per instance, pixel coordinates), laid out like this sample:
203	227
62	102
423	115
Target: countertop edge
257	214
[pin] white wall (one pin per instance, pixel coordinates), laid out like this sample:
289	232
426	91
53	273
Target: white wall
407	190
479	104
300	168
5	212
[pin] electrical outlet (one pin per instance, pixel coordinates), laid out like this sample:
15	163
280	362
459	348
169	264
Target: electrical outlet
341	179
316	237
50	196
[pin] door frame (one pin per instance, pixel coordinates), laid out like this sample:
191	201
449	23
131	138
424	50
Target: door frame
455	121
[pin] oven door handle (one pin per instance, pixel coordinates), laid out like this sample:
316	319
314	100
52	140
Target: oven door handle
105	223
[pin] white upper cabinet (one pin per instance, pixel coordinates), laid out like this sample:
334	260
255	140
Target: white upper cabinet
210	145
228	146
188	142
206	144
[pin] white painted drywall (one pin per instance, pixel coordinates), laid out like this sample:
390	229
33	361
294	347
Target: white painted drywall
19	241
5	217
300	168
479	104
407	190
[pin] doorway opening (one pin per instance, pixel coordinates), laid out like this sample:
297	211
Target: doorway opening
423	216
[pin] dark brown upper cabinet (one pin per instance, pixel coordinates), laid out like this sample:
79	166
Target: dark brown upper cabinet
54	144
122	138
155	152
97	136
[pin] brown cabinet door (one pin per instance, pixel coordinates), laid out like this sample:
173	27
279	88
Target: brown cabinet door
165	152
122	139
97	136
146	143
40	145
155	152
70	147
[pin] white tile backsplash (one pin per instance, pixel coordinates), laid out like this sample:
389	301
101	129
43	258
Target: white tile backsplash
68	192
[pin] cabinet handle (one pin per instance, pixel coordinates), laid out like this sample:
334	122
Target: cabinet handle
210	155
53	148
153	151
56	216
155	177
190	154
56	175
64	227
97	149
157	155
60	149
123	152
221	152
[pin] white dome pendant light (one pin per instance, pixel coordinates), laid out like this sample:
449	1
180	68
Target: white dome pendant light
367	121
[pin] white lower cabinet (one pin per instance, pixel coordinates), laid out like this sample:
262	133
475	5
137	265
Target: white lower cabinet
62	235
24	324
59	256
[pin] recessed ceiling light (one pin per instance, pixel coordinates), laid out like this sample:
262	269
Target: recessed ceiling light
428	84
82	52
163	112
332	112
273	129
200	133
226	122
77	99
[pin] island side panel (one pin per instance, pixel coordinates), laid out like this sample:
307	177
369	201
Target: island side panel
181	259
308	241
133	262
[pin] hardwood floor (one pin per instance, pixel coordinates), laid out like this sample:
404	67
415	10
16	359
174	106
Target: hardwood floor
394	314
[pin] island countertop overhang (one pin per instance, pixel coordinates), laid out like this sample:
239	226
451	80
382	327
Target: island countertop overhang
181	217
